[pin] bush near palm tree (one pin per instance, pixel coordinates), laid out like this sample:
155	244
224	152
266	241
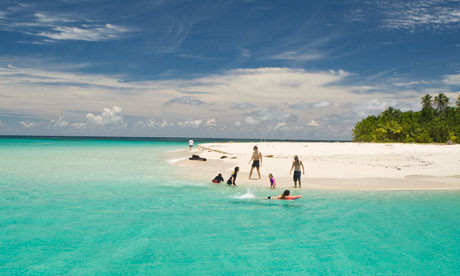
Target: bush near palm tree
424	126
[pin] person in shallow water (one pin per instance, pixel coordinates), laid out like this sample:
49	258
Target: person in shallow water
257	161
284	195
232	179
218	179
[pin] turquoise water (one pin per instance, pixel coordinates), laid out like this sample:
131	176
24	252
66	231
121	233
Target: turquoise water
97	207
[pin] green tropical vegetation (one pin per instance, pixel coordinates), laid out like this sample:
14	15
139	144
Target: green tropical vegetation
436	122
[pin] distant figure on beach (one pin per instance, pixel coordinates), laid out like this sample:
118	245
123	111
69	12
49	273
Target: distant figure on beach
256	161
296	164
232	179
218	179
190	144
284	195
272	181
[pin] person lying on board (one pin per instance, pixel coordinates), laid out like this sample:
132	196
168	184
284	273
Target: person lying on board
286	195
218	179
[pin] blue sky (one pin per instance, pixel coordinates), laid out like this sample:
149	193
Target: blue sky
249	69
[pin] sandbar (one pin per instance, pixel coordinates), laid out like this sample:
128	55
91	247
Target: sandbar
329	166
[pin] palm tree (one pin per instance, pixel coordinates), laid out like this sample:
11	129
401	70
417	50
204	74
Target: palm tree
441	101
427	102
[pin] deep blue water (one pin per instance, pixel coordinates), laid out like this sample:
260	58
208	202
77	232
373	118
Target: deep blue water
116	207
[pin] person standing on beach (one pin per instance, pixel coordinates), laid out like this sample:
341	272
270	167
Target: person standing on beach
257	161
296	164
272	181
190	144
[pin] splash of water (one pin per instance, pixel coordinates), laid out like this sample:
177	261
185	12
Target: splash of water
248	194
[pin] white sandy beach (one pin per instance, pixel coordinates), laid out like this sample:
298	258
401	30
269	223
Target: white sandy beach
350	166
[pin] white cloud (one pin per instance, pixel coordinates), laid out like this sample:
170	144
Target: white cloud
414	15
373	106
243	106
305	106
322	104
410	83
313	123
190	123
107	117
377	104
60	122
38	93
58	26
87	33
79	125
28	124
272	114
47	18
150	123
297	56
452	79
251	121
140	124
237	123
187	100
281	127
165	124
211	122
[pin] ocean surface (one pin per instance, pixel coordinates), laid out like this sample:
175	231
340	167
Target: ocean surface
116	207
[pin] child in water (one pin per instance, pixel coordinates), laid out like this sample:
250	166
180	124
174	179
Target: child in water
218	179
285	194
232	179
272	181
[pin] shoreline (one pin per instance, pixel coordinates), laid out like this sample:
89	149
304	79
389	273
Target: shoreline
329	166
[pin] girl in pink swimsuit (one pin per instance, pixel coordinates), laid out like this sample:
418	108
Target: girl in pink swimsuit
272	181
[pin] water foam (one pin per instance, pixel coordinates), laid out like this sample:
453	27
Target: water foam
177	150
172	161
249	194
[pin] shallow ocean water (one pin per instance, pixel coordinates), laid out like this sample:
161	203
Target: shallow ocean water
108	207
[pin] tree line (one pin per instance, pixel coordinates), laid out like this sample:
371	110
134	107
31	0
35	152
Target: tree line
436	122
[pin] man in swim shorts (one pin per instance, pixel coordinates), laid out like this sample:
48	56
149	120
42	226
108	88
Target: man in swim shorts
257	161
296	164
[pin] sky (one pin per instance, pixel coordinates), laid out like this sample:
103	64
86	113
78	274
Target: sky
220	69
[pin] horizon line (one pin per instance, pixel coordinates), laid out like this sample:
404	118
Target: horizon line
168	138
